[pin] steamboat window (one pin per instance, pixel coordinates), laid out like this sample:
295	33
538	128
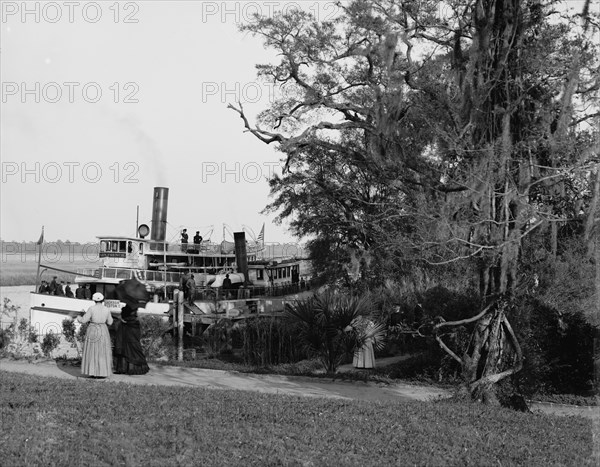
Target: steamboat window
259	274
123	274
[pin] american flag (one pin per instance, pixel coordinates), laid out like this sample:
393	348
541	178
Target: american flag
261	235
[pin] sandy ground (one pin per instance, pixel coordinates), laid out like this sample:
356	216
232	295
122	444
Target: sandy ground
217	379
272	384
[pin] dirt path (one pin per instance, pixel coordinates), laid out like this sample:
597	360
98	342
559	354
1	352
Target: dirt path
272	384
217	379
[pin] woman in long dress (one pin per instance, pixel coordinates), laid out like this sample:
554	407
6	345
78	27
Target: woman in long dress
365	356
373	335
97	354
129	355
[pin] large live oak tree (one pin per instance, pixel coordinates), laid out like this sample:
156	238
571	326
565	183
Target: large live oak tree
444	133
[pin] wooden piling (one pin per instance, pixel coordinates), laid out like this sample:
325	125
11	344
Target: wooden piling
180	302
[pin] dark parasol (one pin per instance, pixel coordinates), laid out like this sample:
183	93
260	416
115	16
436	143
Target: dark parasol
133	293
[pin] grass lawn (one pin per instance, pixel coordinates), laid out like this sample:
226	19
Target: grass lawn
47	421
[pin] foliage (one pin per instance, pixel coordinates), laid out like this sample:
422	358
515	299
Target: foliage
153	336
268	341
558	349
332	326
431	365
565	281
458	152
81	333
73	335
224	427
68	330
17	337
50	343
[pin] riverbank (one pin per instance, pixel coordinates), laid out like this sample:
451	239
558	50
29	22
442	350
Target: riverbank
164	375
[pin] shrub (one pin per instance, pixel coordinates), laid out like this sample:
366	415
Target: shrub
50	343
267	341
76	338
21	332
332	325
68	330
558	349
6	335
81	333
153	340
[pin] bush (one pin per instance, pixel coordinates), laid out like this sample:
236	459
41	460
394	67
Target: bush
558	350
50	343
153	340
27	332
68	330
76	338
23	333
6	336
268	341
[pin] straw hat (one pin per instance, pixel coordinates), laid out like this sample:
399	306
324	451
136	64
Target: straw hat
98	297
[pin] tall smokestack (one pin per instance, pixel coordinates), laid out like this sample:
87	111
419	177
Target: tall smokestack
159	214
241	257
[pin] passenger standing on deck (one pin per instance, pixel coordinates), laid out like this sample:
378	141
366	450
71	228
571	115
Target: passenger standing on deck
97	354
191	289
60	289
226	285
43	287
68	291
183	284
197	240
184	240
53	286
87	292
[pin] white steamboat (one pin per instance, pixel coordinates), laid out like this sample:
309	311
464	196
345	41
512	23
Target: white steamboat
257	286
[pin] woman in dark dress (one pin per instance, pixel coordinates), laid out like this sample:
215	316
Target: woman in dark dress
129	355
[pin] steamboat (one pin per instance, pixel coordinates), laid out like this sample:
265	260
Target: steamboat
232	280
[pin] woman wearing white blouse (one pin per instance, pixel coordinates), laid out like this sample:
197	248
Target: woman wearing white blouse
97	353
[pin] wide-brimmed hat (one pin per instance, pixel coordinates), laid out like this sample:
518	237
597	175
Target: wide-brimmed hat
98	297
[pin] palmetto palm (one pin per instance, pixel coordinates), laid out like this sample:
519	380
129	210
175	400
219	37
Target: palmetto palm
333	325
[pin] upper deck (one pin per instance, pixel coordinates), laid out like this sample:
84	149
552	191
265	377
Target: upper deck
139	253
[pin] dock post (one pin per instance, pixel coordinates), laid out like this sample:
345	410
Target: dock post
180	301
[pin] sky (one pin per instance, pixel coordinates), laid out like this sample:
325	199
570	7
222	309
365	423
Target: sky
103	101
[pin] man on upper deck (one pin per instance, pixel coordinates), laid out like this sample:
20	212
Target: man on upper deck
184	240
197	241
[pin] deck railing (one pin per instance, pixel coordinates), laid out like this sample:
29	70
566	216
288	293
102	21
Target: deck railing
211	248
122	274
275	290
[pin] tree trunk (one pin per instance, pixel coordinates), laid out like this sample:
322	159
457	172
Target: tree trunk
592	217
493	355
